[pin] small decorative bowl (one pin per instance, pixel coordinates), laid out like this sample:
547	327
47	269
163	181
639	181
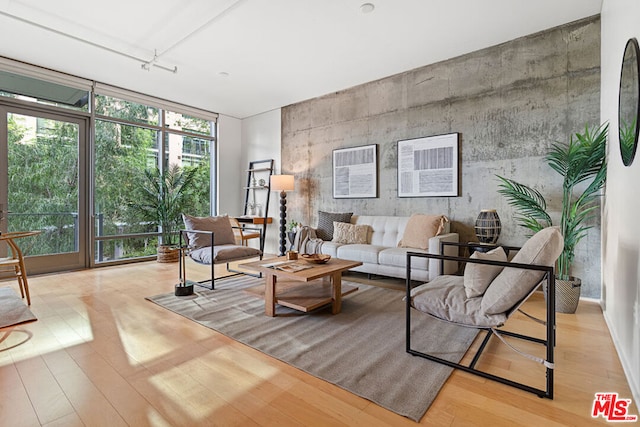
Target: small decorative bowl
316	258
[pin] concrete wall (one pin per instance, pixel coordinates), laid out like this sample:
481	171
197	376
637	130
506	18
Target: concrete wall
509	102
621	230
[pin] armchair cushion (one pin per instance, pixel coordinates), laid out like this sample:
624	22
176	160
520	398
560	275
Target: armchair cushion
223	253
513	284
219	225
478	277
444	297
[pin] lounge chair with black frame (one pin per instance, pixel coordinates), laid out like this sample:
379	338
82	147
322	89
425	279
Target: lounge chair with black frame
491	290
210	241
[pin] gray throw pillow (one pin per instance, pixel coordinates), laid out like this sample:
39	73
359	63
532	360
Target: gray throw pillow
219	225
325	223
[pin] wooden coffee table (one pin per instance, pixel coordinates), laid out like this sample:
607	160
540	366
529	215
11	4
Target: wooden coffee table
303	290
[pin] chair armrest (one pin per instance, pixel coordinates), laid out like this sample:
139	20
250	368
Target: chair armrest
410	255
184	235
259	230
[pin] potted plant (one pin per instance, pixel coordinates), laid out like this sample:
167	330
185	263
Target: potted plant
581	161
161	199
293	227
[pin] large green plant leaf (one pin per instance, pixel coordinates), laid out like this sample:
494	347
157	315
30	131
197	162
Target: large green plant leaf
529	203
582	159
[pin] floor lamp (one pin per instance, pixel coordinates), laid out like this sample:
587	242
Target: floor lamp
282	183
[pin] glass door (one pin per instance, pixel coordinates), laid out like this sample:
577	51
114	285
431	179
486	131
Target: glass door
43	186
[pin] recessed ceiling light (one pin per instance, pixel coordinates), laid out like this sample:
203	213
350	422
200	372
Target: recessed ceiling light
367	7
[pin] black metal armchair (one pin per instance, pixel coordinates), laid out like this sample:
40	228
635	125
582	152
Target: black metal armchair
485	301
213	246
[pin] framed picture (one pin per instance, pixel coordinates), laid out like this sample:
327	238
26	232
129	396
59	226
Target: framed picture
355	172
428	167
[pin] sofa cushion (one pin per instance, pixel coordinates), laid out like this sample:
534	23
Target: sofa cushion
420	228
384	230
397	257
349	233
444	297
219	225
478	277
324	230
513	284
363	253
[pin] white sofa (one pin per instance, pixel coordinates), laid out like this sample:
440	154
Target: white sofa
381	255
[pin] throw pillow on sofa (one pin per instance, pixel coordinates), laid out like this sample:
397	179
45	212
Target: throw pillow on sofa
349	233
420	228
478	277
325	223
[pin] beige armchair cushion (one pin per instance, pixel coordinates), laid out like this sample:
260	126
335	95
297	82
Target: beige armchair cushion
478	277
219	225
223	253
513	284
444	297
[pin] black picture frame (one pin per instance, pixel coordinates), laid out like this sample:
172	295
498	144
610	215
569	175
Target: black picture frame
355	172
429	166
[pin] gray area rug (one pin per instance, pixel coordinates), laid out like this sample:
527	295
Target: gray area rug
13	309
362	349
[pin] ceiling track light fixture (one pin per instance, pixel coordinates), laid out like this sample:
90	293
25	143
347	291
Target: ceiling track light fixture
154	62
145	65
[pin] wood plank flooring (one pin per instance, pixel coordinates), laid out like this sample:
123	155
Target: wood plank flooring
102	355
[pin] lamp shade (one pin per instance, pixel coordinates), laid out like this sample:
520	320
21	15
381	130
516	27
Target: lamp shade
282	183
488	226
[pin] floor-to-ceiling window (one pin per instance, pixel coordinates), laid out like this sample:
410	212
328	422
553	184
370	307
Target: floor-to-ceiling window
128	139
71	158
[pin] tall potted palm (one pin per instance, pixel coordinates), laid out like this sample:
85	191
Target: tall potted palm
582	160
161	199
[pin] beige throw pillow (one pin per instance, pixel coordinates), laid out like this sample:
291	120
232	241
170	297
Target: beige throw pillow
219	225
420	228
349	233
478	277
513	284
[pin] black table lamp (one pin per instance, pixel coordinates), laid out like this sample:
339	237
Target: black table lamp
282	183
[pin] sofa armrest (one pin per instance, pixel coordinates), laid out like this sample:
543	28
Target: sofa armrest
450	267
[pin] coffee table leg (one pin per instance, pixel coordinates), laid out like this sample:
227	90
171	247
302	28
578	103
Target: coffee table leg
270	295
336	288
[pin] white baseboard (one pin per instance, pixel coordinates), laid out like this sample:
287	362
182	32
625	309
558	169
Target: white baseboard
626	366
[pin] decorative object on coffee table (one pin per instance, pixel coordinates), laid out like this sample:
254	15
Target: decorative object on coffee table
488	226
282	183
316	258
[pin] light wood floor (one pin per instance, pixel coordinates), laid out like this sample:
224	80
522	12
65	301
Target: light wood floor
100	354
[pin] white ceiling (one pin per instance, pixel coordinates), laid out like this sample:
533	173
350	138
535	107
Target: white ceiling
276	52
